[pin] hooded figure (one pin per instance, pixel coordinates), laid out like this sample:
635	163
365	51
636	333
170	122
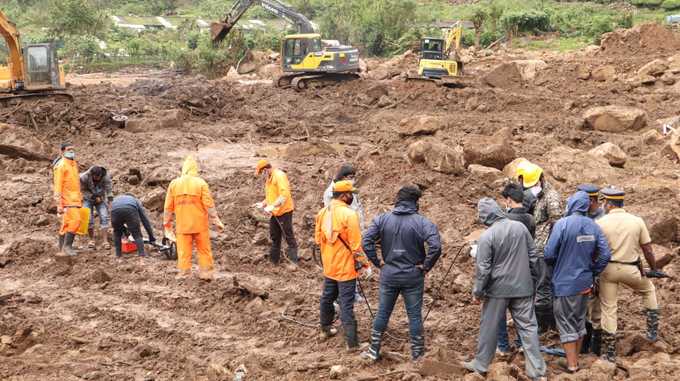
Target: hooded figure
505	279
577	250
189	199
346	172
97	189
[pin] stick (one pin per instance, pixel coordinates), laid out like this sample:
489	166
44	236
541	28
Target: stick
442	281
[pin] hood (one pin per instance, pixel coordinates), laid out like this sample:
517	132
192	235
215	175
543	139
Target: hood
190	167
405	207
489	211
578	202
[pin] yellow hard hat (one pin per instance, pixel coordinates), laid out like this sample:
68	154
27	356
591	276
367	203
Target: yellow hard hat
530	172
261	165
344	186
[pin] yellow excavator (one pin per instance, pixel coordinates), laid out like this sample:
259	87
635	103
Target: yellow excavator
32	70
439	60
306	59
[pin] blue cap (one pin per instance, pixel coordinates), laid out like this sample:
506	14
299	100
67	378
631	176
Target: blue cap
613	193
592	189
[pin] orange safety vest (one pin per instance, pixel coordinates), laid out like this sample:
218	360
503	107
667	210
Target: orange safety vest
189	198
277	185
335	224
67	183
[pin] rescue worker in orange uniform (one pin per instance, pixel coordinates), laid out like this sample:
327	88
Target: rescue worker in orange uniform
189	199
338	235
67	197
279	203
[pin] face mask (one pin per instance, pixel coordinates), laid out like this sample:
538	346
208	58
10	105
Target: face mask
350	200
70	155
535	190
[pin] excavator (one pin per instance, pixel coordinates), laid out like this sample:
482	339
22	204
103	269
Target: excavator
306	59
435	64
32	70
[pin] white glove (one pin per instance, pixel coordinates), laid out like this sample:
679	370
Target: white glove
369	272
473	251
269	208
169	234
259	205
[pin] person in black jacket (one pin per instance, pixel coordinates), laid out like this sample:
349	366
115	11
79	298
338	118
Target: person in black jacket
403	234
516	207
126	214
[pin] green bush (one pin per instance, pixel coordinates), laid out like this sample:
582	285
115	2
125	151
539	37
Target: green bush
647	3
530	20
670	5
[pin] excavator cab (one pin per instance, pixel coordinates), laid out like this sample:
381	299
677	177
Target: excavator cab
297	47
42	68
432	48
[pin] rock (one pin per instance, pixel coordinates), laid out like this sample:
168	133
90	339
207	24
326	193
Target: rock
41	220
261	238
605	73
144	351
652	137
171	119
486	174
631	344
574	166
674	64
4	339
655	68
445	370
496	155
384	101
161	176
615	118
662	226
420	125
17	142
603	367
501	371
338	371
674	145
610	151
504	75
154	200
528	69
583	72
472	103
438	156
100	276
270	71
668	79
374	93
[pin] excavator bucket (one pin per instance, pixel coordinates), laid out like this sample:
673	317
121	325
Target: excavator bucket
218	31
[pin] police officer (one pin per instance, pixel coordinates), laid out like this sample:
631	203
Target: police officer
629	240
593	339
593	191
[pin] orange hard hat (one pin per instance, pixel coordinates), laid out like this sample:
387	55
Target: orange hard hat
261	165
344	186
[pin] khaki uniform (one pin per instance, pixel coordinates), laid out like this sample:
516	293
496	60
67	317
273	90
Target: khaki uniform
625	233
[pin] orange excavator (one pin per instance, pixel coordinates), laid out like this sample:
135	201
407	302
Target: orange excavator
32	70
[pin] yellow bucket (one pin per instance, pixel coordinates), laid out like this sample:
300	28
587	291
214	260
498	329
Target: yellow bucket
84	221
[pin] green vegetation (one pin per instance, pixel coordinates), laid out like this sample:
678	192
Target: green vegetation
89	39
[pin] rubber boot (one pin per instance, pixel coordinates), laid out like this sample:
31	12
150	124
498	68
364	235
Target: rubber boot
417	347
61	243
596	342
293	255
652	325
68	244
586	346
351	335
373	352
327	331
609	346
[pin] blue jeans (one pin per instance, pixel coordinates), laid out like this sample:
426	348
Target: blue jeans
344	293
503	340
103	211
413	300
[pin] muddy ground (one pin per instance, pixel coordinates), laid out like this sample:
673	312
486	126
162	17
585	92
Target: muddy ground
99	318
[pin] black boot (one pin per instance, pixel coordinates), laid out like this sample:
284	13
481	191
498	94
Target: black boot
68	244
609	346
351	335
61	243
417	347
373	351
328	331
596	342
293	254
585	346
652	325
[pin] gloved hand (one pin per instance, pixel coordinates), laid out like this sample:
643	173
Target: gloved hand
169	234
269	208
656	274
259	205
219	224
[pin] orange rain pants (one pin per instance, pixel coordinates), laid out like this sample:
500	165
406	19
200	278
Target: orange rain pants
70	220
185	244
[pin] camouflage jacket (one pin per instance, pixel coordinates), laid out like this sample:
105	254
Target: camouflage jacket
548	210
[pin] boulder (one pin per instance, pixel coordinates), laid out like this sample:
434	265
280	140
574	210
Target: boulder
420	125
574	166
662	226
504	75
610	151
496	155
583	72
603	367
668	79
674	64
510	170
437	156
604	73
502	371
161	176
528	69
652	137
154	200
615	118
432	368
485	174
173	118
655	68
674	145
17	142
337	372
269	71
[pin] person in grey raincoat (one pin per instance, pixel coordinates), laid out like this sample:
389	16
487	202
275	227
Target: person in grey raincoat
505	278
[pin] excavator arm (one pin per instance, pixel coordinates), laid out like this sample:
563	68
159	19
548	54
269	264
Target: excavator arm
220	30
453	38
16	62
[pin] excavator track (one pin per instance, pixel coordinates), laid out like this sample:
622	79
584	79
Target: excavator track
446	81
9	97
303	81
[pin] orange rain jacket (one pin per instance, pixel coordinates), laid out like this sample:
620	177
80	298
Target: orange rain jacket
67	183
333	223
277	185
189	198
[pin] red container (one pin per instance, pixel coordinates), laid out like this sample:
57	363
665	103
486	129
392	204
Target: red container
128	247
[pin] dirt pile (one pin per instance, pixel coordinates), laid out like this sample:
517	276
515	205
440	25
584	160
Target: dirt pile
642	39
